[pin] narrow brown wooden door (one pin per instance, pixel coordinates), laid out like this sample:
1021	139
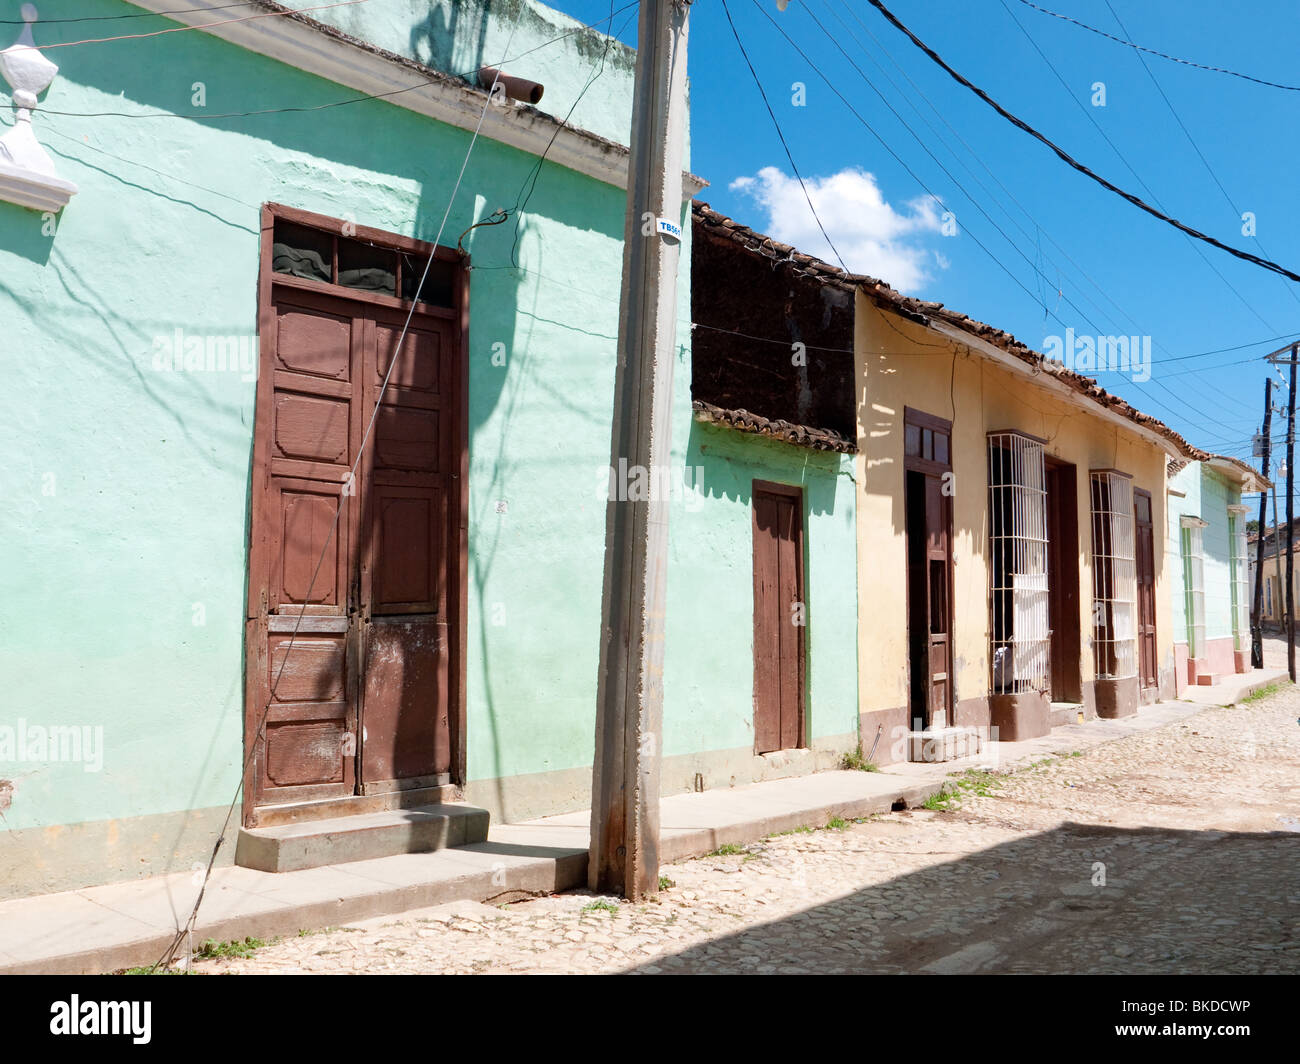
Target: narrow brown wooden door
360	700
1146	587
1063	581
779	617
929	615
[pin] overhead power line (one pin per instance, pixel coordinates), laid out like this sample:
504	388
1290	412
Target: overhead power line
781	135
1123	159
1163	55
1236	211
1074	163
831	84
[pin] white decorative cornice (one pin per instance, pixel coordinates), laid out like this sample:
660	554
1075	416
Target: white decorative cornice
27	175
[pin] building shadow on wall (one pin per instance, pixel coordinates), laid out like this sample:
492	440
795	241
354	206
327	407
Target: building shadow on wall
1173	902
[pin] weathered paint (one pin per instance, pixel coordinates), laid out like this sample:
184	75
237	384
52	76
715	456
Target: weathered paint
128	534
898	366
127	528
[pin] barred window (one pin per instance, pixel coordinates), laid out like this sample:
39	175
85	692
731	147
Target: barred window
1114	576
1018	603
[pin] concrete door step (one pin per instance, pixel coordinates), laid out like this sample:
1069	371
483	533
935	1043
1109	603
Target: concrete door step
1066	713
1207	679
314	844
330	808
943	744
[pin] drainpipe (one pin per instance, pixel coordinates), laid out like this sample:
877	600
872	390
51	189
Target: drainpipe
514	88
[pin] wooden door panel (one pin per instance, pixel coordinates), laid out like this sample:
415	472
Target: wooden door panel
408	553
408	439
419	371
313	336
406	732
310	428
305	526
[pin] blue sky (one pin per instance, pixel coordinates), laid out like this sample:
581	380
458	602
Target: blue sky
1073	254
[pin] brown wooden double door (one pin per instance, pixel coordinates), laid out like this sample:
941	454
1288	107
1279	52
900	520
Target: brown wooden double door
360	566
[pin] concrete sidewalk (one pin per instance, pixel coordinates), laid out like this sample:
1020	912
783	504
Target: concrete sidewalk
102	929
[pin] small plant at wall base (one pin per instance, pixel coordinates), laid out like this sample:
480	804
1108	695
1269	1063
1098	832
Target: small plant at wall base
855	762
944	799
1264	692
211	948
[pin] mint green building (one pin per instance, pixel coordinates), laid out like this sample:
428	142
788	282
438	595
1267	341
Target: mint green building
206	264
1211	590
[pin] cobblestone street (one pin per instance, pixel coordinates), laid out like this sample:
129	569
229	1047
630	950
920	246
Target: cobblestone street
1173	851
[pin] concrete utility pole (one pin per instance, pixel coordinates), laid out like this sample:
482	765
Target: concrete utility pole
1257	614
624	856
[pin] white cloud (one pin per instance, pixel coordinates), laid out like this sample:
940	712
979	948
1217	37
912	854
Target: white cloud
873	237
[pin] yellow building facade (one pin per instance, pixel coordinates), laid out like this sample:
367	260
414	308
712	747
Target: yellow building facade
1032	533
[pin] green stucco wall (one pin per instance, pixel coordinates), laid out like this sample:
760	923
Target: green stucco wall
126	525
126	537
708	693
1206	495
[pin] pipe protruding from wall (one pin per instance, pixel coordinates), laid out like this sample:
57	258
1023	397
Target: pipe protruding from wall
515	88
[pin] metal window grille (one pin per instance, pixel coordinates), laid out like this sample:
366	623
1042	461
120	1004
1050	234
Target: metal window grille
1021	639
1194	585
1240	577
1114	576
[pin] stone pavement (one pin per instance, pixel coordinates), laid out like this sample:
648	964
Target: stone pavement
1175	849
127	924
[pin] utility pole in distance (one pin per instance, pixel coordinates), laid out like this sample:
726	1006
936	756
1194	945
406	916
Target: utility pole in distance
1257	614
1290	522
624	853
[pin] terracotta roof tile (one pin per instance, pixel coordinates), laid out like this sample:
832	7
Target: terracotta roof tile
801	435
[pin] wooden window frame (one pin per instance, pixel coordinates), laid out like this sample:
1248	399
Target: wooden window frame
401	245
922	420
